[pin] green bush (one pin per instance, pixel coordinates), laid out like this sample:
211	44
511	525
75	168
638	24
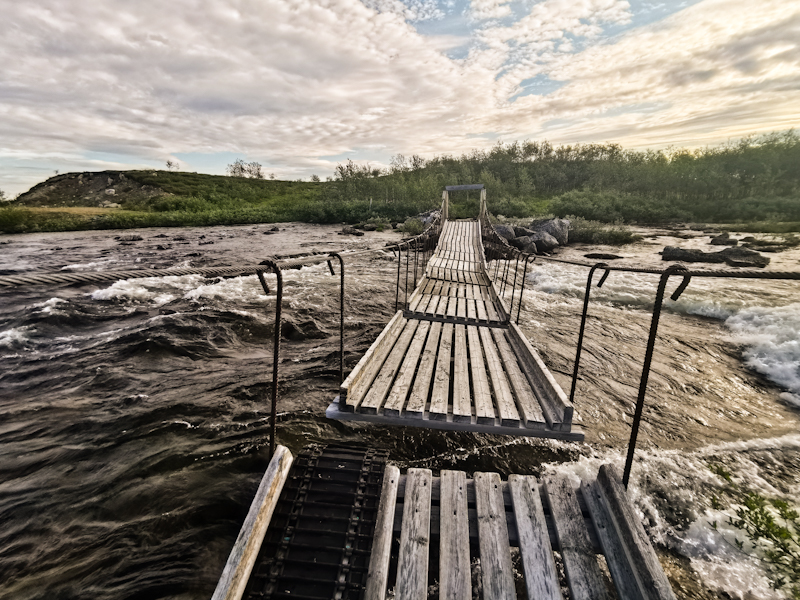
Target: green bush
593	232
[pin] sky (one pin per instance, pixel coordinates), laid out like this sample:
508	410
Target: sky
300	86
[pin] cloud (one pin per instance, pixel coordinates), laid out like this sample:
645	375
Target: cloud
289	83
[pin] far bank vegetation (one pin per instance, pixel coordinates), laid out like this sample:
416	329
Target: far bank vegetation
752	181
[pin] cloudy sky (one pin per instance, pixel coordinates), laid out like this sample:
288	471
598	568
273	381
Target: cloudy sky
300	85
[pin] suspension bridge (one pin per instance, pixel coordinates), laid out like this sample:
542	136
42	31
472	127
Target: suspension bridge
453	358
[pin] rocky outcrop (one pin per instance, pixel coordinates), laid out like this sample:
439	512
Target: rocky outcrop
506	231
723	239
544	241
525	243
735	257
88	189
543	235
558	228
347	230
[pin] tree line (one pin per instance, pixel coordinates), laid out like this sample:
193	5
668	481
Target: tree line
757	177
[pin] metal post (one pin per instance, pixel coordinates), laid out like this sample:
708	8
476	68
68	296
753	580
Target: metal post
505	276
514	287
405	301
416	260
341	316
648	358
397	289
522	287
583	327
276	352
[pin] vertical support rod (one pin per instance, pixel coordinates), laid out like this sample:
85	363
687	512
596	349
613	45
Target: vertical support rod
276	352
648	358
408	250
577	364
522	287
397	289
505	276
416	260
341	315
514	287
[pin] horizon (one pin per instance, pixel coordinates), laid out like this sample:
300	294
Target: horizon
301	87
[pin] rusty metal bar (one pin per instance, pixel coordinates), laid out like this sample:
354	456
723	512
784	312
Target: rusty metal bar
276	352
583	326
341	314
522	287
648	358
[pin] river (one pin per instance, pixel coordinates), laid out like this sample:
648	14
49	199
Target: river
134	415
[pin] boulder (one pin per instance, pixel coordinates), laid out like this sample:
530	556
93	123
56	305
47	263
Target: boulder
347	230
506	231
557	228
369	227
723	239
735	257
522	231
526	244
744	257
544	241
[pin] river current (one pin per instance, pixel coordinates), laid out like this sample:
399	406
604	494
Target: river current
134	415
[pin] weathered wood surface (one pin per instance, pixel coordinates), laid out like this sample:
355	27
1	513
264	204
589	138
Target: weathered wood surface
541	577
453	361
240	563
483	518
378	573
650	577
412	563
454	562
498	577
580	563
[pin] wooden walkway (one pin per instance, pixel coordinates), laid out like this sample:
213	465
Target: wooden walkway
566	540
484	518
453	360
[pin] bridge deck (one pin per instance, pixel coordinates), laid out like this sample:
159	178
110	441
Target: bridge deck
344	524
453	360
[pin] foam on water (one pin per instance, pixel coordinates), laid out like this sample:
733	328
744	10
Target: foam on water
16	337
772	340
769	334
154	290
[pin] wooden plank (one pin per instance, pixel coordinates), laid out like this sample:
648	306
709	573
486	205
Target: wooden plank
541	577
481	308
461	309
481	394
642	557
462	409
613	549
529	409
472	312
506	408
580	564
333	411
243	556
378	573
362	375
422	384
454	562
497	573
412	562
556	406
380	386
402	385
441	378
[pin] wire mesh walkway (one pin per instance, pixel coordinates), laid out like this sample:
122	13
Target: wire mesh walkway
453	360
